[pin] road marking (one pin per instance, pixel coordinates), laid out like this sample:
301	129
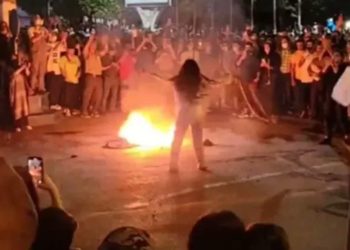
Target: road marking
226	183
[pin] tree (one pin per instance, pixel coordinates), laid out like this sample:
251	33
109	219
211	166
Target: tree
100	8
33	7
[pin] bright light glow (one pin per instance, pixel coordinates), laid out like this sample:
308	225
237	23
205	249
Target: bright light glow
139	129
347	25
145	2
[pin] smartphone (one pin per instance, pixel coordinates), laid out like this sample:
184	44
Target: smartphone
35	167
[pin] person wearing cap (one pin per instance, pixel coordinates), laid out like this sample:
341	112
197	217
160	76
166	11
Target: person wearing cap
38	48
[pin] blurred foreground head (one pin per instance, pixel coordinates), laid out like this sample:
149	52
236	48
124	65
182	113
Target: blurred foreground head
56	230
218	231
267	237
127	238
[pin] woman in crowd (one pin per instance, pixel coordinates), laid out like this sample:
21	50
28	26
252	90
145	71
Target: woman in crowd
334	112
19	91
93	88
54	77
269	84
70	67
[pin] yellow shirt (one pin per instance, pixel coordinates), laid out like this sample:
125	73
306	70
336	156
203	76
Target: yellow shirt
70	69
296	59
93	65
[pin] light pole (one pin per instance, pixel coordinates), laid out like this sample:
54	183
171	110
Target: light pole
275	17
252	2
231	14
300	14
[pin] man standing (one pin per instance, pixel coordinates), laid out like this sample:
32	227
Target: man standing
38	48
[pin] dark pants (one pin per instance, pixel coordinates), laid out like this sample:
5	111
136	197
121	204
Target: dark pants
56	87
22	122
110	93
92	93
307	97
286	92
71	94
269	95
335	115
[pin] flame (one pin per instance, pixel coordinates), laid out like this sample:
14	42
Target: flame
139	129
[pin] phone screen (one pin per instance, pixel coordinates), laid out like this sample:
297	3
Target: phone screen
36	169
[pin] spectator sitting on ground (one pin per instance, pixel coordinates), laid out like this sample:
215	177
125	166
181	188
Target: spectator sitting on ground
267	237
218	231
127	238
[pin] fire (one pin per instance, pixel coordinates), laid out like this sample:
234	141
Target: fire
139	129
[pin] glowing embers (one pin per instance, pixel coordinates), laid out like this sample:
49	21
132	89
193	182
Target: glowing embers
144	130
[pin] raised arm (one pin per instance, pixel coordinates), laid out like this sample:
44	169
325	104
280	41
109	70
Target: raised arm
87	46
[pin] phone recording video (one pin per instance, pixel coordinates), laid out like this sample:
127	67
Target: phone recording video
36	169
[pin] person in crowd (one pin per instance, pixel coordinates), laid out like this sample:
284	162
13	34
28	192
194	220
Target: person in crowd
307	87
6	44
190	52
166	60
297	61
347	53
269	88
249	66
225	62
93	88
38	49
111	81
286	90
127	76
19	92
266	237
127	238
19	219
70	67
146	54
55	227
54	77
6	53
335	114
237	51
220	231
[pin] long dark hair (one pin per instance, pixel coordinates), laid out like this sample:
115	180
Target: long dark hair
189	80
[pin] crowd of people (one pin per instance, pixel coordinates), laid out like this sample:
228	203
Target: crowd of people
25	224
90	73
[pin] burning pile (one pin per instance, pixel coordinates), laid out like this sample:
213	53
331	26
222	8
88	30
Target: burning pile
143	130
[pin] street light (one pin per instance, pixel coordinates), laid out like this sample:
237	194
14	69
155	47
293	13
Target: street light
299	14
275	17
252	2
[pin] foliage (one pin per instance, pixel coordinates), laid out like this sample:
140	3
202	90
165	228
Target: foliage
100	8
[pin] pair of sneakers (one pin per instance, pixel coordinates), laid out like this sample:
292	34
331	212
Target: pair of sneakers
87	116
55	107
18	129
328	141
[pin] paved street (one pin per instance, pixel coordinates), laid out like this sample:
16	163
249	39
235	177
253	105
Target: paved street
273	173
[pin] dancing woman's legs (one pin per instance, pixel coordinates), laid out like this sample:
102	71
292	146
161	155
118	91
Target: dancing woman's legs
183	120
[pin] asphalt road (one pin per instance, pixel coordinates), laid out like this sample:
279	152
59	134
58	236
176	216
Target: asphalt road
270	173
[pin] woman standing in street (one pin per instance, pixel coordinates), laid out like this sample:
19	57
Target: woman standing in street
189	86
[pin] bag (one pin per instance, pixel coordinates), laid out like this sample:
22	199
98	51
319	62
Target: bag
341	91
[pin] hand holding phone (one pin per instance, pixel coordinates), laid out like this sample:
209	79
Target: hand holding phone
35	167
